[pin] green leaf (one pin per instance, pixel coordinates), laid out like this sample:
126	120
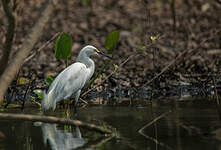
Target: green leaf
84	2
111	41
153	38
63	46
22	80
115	66
142	47
39	93
49	80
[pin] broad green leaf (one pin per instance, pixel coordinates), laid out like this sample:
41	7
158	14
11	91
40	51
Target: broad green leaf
111	41
49	80
63	46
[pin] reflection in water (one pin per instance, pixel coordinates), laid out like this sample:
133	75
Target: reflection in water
61	139
192	125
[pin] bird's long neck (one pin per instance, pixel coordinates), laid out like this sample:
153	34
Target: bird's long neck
83	58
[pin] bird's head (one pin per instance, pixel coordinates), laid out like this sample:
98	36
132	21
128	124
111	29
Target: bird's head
90	50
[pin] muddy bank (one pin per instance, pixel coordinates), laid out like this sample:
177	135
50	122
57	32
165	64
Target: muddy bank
190	32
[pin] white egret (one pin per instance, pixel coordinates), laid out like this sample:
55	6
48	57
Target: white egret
71	80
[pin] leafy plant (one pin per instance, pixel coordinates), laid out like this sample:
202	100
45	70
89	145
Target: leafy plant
39	93
115	66
49	80
63	47
110	44
111	41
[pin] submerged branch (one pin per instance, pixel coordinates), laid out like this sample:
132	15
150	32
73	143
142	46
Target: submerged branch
96	144
150	123
154	120
51	119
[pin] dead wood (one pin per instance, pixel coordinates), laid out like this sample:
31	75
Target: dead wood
51	119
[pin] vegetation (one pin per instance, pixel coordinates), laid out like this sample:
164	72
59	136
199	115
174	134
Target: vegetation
166	65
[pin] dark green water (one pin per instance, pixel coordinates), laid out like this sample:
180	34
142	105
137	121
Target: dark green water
187	127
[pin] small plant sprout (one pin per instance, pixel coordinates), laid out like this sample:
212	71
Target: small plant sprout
153	38
110	45
142	48
49	80
115	66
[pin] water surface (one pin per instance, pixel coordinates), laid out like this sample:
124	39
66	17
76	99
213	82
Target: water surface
188	127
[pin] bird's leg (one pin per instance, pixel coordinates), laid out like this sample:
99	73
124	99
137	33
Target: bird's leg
68	112
77	95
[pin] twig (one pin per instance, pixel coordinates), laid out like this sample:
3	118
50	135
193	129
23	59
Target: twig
190	129
125	61
217	98
179	57
156	141
173	14
154	120
26	91
51	119
43	46
150	123
96	144
37	103
83	101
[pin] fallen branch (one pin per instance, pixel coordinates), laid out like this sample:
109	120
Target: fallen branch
51	119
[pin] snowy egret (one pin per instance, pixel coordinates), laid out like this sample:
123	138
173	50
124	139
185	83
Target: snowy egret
71	80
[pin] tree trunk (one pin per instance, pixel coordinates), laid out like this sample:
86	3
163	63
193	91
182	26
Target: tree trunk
9	36
13	67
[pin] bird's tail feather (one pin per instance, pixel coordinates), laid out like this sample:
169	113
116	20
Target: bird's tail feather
47	101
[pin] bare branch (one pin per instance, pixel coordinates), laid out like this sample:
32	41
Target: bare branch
51	119
181	55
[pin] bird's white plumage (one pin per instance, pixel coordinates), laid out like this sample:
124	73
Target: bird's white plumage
71	80
76	74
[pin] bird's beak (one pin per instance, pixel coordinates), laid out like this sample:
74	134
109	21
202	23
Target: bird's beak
103	54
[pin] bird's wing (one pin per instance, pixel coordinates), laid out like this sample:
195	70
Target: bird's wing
69	81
